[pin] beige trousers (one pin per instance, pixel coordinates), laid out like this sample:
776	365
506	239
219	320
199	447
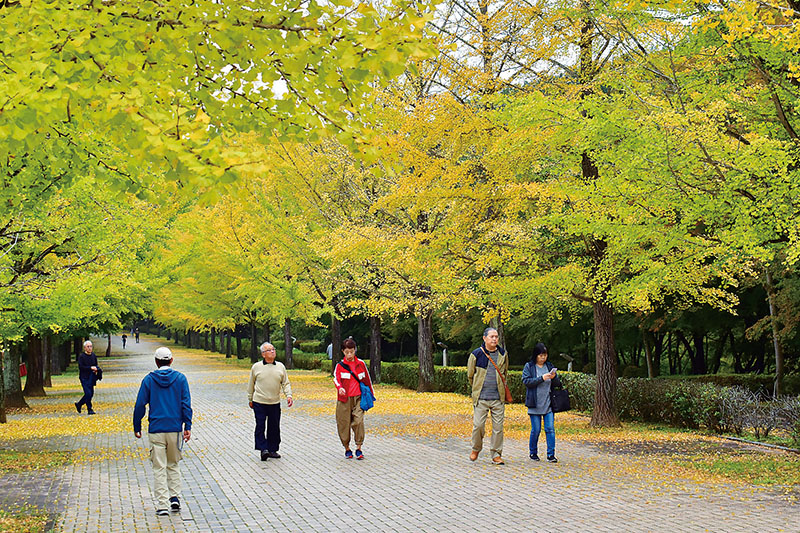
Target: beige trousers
350	416
165	454
481	410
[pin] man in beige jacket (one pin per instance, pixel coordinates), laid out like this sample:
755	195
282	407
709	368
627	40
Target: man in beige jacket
488	393
267	379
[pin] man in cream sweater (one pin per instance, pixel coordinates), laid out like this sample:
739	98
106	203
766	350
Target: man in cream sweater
267	379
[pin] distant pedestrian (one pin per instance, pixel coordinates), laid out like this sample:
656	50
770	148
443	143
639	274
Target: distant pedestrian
267	379
348	376
169	416
487	368
136	334
329	351
539	375
88	375
124	340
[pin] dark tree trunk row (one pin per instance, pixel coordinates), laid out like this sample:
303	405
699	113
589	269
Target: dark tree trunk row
34	381
288	345
336	340
254	352
375	349
425	351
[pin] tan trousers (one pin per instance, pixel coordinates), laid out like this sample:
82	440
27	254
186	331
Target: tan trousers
350	416
165	454
479	415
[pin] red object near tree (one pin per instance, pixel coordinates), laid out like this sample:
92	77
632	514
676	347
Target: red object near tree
23	370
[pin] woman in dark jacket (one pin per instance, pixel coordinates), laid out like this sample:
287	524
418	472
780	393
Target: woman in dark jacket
539	375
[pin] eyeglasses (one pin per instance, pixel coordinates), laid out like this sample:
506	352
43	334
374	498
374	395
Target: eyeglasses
269	350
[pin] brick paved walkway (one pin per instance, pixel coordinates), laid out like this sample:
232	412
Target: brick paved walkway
405	484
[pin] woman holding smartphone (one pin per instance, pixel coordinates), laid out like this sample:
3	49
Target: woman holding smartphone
539	375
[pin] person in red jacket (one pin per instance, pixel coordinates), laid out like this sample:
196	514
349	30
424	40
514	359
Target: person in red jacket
349	415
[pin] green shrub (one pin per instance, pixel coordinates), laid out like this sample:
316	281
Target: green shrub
762	383
308	361
452	379
404	374
633	371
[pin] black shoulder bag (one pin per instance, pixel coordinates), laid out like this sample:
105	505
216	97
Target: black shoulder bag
559	399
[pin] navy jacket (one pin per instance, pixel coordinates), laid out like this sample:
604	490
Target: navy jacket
530	381
167	392
481	361
85	364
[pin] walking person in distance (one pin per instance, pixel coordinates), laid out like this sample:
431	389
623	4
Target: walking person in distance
539	376
267	379
166	393
347	377
88	374
487	368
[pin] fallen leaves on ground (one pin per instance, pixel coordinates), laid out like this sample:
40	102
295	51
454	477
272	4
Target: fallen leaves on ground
642	451
25	519
55	426
23	461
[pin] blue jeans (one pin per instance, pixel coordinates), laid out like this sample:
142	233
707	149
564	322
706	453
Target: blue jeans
549	433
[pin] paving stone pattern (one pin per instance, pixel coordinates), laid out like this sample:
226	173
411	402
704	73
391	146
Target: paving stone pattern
404	484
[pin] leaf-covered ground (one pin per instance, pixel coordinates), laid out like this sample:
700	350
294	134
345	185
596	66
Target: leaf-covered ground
23	520
689	454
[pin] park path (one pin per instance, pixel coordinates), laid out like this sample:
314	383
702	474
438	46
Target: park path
407	483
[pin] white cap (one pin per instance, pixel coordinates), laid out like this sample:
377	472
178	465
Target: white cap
163	354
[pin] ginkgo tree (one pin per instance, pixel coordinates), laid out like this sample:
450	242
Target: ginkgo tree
167	82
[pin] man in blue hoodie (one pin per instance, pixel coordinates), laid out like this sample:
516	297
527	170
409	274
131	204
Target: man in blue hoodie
170	414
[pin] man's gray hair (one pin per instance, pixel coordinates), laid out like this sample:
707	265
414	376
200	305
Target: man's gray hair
86	342
266	345
489	330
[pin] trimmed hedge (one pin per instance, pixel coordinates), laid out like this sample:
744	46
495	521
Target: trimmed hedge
753	382
308	361
688	403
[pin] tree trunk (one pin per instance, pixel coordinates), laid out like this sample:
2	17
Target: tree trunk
213	340
425	351
47	357
336	340
2	383
34	381
13	383
239	354
776	342
497	323
267	332
658	350
254	352
716	361
695	351
288	345
206	345
375	348
64	356
77	347
605	410
699	364
648	353
108	347
228	334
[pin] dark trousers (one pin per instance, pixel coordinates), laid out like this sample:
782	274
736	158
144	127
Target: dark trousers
88	392
268	417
